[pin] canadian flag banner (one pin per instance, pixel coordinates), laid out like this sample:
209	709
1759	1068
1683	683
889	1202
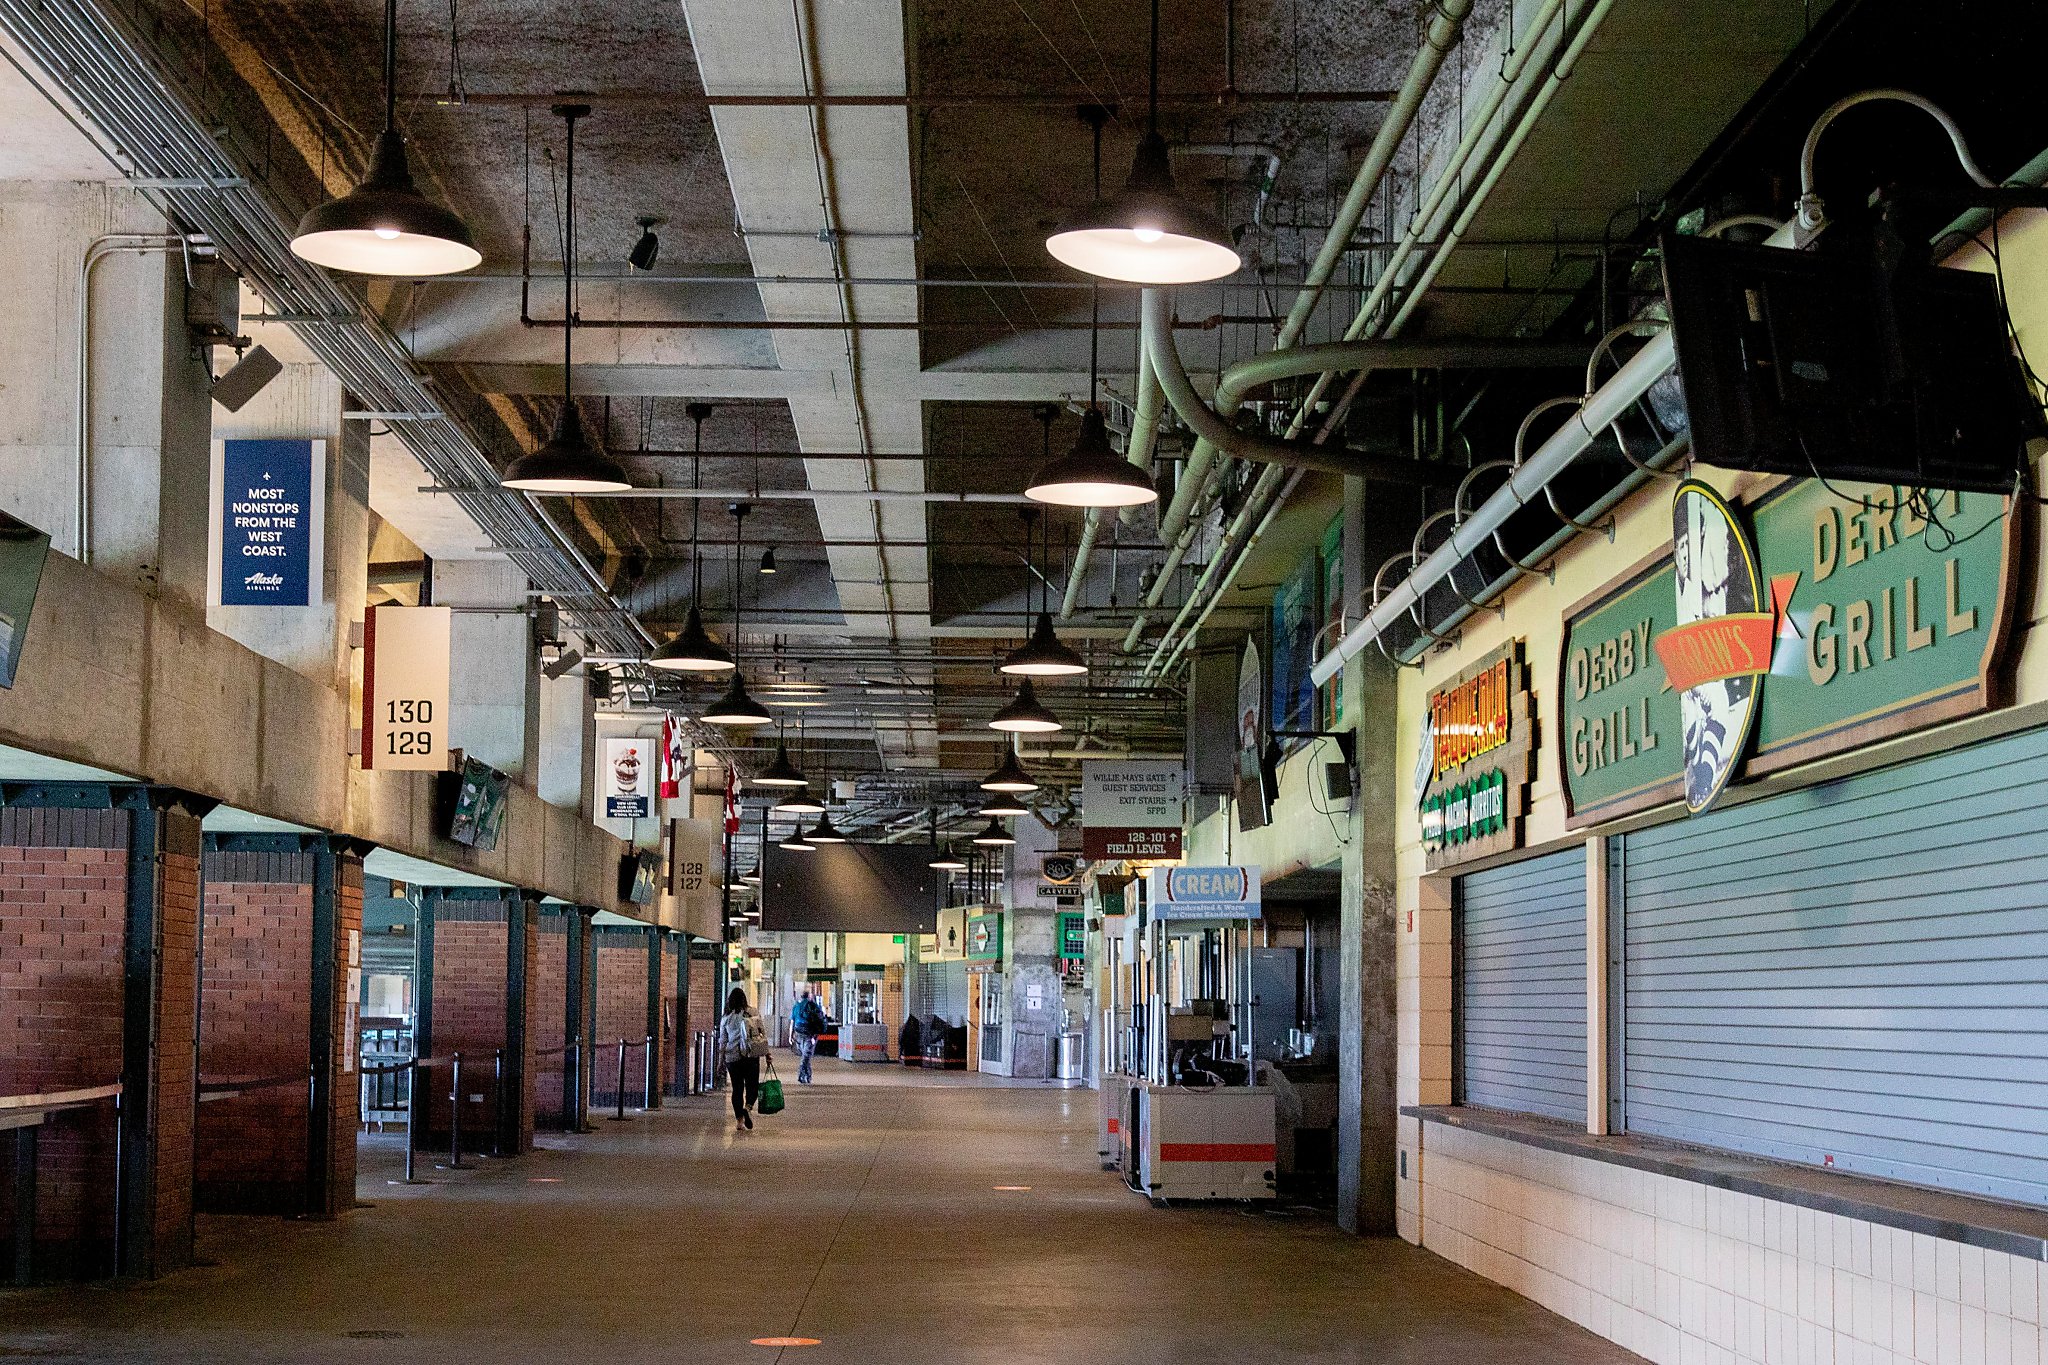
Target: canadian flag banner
675	759
732	801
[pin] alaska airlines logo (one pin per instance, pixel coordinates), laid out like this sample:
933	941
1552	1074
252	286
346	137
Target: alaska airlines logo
264	580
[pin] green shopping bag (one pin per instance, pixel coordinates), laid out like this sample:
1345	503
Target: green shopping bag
771	1093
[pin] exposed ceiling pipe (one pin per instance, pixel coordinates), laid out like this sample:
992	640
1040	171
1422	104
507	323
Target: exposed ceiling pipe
1258	151
97	251
1176	527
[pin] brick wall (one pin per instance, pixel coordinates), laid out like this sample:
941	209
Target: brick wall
255	1023
621	1013
549	1014
344	1116
468	1013
63	929
174	1089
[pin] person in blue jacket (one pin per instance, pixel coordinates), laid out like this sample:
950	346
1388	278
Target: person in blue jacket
807	1022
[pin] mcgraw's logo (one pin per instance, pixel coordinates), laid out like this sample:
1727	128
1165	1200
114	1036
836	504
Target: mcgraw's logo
264	580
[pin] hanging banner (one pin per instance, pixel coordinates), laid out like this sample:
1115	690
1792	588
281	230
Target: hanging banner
694	878
675	758
405	688
1132	808
625	779
1878	610
266	522
1253	807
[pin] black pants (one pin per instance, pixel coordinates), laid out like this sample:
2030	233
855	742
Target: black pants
745	1076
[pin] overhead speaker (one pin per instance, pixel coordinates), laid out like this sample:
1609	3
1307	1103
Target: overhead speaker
561	664
600	683
246	378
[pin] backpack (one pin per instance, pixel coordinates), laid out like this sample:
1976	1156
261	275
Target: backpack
810	1020
757	1036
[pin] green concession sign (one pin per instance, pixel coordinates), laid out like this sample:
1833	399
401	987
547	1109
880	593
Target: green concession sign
1894	612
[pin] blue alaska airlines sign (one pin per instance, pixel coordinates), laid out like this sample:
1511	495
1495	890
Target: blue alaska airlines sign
267	549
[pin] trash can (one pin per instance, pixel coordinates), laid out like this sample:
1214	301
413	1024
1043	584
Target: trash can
1072	1060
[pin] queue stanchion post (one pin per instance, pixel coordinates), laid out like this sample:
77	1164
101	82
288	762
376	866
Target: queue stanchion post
498	1102
647	1078
412	1113
455	1111
619	1094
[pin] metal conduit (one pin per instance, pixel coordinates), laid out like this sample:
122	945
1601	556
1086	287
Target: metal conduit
102	64
1602	408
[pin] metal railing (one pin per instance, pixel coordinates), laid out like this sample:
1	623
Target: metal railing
25	1114
646	1076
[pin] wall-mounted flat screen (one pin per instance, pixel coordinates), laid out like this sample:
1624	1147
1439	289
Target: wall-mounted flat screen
851	889
636	877
23	550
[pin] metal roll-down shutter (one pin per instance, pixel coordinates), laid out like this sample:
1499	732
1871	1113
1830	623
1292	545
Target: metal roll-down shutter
1853	975
1522	987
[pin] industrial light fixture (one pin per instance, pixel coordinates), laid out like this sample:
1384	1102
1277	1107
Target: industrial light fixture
694	651
1147	232
1044	655
1003	805
1009	776
1091	473
1025	714
799	803
995	836
825	832
644	251
768	561
752	876
795	843
947	860
736	707
780	772
568	463
385	226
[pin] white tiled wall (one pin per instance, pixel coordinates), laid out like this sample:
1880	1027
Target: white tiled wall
1690	1275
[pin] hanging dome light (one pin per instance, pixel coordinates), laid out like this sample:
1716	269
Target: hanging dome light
737	708
796	843
1009	776
995	836
1147	232
947	860
752	876
799	803
1025	714
768	565
1092	474
1003	805
568	463
385	226
780	772
692	650
1043	655
825	832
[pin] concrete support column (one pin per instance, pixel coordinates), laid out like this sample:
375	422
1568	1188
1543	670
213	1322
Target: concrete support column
1368	1040
493	696
563	726
522	949
99	930
282	944
580	1018
657	1025
552	1019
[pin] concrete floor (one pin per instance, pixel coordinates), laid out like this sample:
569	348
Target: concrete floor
865	1216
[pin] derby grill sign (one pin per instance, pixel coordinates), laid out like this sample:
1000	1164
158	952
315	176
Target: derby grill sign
1472	770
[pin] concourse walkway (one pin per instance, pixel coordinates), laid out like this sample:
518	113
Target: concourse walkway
865	1216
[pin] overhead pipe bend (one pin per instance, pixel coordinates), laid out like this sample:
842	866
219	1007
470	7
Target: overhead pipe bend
1253	445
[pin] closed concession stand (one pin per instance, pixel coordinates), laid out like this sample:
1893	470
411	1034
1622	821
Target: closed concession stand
1520	942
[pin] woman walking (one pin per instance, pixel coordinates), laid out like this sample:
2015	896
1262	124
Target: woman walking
743	1042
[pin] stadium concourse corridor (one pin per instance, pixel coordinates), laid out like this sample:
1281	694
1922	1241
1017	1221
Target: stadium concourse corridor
868	1216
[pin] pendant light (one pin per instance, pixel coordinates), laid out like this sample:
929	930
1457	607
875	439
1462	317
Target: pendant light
1147	233
1009	776
800	801
385	226
768	565
796	843
1043	655
995	836
736	707
780	772
947	860
568	462
694	651
1003	804
825	832
1025	714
